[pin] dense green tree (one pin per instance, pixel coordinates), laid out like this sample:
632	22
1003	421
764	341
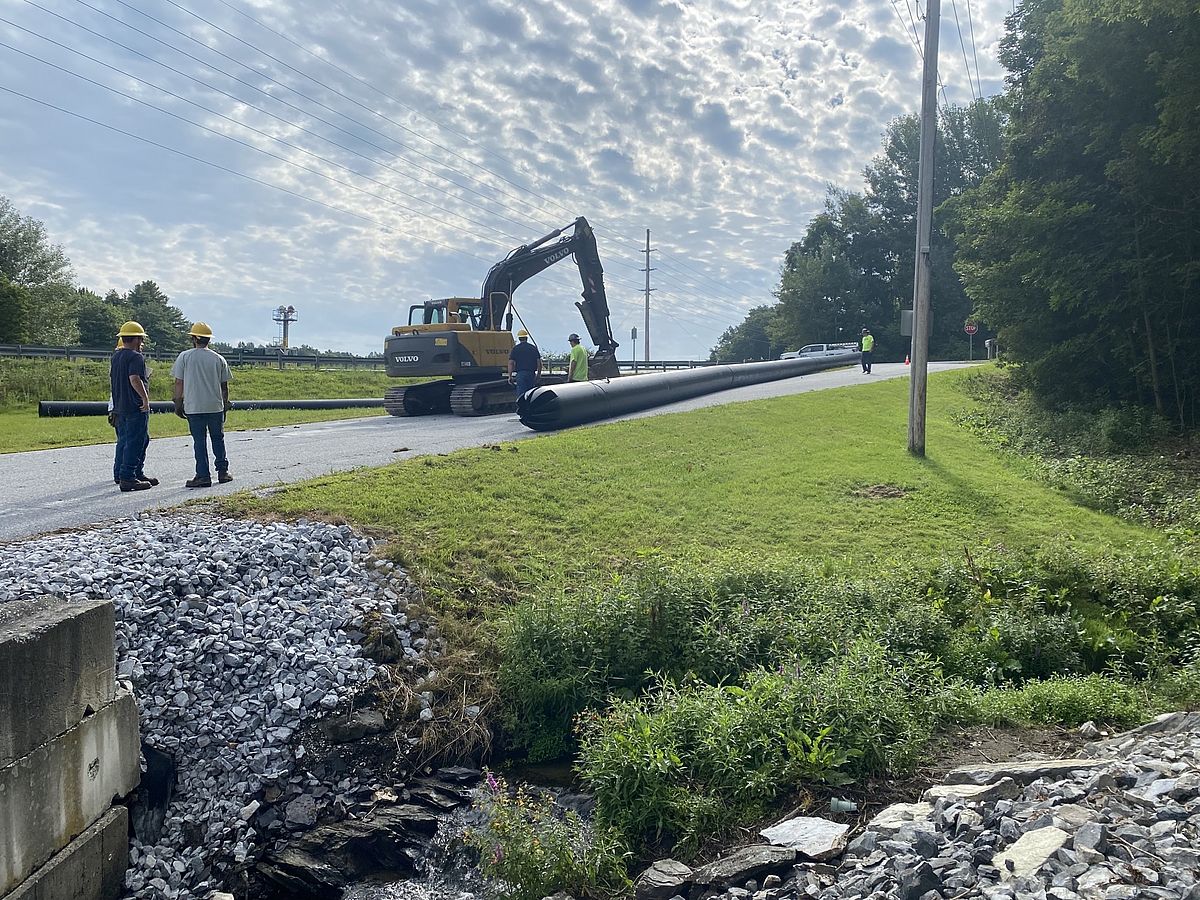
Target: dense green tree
166	325
99	318
854	265
27	257
1082	248
748	340
15	304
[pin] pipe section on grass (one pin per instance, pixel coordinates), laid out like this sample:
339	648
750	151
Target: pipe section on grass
564	405
100	407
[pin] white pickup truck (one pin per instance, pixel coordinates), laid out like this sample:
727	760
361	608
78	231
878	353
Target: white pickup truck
808	351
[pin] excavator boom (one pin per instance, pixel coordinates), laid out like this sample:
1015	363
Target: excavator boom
530	259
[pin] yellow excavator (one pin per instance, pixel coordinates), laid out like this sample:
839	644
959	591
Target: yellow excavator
469	339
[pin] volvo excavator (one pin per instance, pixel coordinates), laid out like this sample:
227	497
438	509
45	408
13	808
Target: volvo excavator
469	339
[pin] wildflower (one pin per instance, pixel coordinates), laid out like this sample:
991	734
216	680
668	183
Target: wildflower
492	783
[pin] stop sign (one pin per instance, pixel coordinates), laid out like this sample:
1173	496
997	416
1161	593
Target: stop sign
970	328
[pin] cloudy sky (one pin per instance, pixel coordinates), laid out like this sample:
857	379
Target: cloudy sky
353	158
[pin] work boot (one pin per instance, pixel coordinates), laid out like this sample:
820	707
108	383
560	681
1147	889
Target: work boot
153	482
224	477
134	486
197	482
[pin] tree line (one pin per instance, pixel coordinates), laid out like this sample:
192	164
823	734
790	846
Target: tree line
40	303
1065	217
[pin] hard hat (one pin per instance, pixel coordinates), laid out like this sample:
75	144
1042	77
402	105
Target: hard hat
120	344
866	331
572	337
522	333
131	329
200	330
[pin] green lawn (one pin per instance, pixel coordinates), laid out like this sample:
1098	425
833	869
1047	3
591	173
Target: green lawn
823	474
24	382
23	430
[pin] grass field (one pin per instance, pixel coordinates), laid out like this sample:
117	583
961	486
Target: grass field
24	382
824	474
709	612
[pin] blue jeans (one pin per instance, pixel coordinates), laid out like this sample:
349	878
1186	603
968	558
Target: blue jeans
133	437
204	426
119	450
525	381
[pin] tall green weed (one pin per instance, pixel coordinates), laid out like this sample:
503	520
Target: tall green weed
686	761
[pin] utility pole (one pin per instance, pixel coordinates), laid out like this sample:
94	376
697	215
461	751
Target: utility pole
919	356
647	270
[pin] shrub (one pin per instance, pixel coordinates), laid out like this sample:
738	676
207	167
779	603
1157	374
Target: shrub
569	653
531	848
1063	701
687	761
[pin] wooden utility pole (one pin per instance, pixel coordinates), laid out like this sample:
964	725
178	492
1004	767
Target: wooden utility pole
647	270
919	357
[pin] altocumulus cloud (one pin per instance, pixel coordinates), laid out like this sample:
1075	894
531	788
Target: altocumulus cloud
426	139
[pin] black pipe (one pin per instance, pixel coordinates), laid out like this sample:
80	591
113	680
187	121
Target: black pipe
100	407
563	405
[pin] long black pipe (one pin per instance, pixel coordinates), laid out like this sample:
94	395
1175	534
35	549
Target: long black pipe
100	407
563	405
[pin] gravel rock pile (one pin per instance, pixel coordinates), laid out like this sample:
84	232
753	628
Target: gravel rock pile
232	633
1122	822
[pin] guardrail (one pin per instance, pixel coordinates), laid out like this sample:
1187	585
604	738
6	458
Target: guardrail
266	357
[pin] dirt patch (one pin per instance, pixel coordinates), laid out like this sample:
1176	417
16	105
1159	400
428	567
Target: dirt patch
880	492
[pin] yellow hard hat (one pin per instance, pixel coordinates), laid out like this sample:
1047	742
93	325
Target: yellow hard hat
120	344
200	330
131	329
522	333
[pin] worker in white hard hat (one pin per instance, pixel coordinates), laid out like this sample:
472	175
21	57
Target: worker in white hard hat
129	385
202	397
524	363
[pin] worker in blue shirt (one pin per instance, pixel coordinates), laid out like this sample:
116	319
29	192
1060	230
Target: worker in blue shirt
524	363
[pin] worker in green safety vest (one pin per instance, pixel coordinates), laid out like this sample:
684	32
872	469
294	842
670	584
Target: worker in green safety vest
867	346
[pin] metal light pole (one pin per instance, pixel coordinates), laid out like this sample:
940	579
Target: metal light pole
920	340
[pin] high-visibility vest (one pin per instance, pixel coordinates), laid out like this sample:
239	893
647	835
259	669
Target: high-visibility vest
868	343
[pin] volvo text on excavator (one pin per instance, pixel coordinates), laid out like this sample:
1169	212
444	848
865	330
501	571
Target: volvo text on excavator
469	339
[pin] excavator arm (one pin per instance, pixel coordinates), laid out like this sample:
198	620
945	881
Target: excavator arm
530	259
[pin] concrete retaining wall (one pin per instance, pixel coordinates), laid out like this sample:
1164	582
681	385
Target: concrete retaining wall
69	748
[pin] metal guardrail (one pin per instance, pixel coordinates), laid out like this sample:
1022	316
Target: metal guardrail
265	357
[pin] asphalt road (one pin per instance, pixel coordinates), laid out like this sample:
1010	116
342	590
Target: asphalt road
48	490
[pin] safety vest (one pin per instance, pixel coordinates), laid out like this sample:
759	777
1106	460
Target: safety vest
868	342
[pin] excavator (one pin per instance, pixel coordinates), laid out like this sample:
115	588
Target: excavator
469	339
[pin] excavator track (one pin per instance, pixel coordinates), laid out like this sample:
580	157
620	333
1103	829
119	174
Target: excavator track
483	398
426	399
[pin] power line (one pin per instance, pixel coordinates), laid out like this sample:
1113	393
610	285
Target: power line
962	43
270	96
327	87
275	187
974	49
323	84
249	127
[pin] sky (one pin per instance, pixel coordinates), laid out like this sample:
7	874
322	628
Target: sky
351	159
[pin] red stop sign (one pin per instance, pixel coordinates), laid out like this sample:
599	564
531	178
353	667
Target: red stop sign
970	328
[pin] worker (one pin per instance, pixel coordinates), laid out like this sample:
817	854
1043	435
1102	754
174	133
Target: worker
524	363
577	369
202	397
867	345
129	381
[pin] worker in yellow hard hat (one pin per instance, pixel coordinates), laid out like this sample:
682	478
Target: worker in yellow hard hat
129	382
202	397
524	363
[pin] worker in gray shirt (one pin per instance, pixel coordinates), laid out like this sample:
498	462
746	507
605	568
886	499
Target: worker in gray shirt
202	397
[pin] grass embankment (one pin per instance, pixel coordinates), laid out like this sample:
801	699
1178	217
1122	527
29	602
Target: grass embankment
24	382
823	475
713	610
